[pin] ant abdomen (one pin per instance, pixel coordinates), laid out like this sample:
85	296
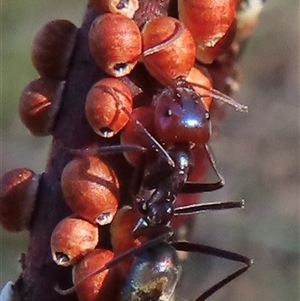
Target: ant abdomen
153	275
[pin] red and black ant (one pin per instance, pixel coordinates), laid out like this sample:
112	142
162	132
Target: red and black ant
181	121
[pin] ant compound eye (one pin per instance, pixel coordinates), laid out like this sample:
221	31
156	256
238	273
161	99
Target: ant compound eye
169	112
106	132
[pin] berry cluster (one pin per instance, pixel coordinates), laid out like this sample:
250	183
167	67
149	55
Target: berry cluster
164	137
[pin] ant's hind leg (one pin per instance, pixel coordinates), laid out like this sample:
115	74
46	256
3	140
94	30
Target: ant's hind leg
202	249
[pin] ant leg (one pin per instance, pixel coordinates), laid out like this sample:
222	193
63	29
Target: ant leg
131	252
190	187
198	208
154	143
216	94
197	248
138	175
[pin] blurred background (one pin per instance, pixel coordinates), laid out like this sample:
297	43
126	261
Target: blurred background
257	153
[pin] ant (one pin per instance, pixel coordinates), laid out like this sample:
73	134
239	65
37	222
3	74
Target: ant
181	115
181	122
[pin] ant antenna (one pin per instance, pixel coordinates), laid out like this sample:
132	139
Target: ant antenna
154	142
159	147
216	94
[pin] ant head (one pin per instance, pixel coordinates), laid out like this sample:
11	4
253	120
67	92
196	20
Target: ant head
180	115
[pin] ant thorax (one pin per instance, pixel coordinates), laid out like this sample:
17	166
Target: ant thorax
162	183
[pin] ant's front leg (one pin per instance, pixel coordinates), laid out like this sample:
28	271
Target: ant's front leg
202	249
